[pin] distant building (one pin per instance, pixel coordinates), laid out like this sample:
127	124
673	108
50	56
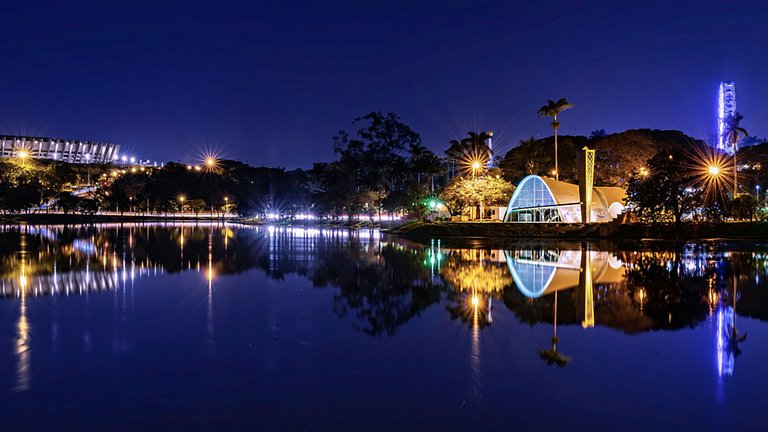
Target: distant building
726	107
72	151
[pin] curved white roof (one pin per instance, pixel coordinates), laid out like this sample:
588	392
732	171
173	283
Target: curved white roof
544	192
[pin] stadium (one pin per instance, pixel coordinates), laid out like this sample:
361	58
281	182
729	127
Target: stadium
72	151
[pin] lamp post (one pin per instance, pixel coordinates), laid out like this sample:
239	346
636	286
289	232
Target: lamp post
475	166
757	193
182	198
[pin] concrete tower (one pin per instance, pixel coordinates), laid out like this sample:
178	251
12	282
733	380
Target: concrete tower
489	142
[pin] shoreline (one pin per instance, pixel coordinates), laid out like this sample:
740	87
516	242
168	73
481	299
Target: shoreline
73	219
490	231
455	232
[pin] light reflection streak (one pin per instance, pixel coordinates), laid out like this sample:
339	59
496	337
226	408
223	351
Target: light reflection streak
210	276
22	348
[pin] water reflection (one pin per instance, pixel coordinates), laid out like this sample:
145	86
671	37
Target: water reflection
381	283
22	346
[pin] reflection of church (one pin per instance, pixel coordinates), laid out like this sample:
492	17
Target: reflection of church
539	272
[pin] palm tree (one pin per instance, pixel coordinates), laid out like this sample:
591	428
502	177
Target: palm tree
733	133
551	356
423	162
473	147
553	109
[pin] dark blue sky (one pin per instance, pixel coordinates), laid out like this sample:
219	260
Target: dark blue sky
271	82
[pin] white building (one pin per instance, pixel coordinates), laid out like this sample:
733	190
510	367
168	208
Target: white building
544	199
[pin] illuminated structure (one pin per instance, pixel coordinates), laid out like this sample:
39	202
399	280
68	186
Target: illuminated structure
544	199
541	272
489	143
726	107
72	151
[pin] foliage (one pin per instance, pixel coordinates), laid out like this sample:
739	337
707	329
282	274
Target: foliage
732	130
473	147
666	193
620	155
381	165
553	109
538	157
484	191
744	206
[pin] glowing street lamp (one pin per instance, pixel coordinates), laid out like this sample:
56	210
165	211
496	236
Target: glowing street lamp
182	198
23	154
476	165
714	170
644	172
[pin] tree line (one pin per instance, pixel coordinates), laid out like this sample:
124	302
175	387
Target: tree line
382	166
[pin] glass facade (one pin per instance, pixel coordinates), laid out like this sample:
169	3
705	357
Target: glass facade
533	202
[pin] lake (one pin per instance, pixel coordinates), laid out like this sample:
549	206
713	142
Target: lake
228	327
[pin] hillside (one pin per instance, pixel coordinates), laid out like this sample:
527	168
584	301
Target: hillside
617	154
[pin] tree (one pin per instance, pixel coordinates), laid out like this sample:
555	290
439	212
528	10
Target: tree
371	162
534	156
553	109
472	148
67	202
597	133
666	192
744	207
484	191
424	163
733	132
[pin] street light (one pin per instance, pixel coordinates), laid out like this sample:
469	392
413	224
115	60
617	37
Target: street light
475	166
23	154
182	198
714	170
644	172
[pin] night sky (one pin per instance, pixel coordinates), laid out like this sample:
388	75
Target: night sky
271	82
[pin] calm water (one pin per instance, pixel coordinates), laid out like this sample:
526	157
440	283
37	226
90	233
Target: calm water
202	327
